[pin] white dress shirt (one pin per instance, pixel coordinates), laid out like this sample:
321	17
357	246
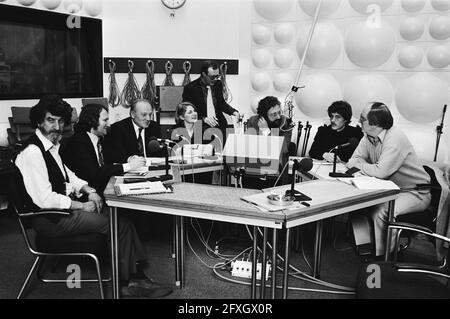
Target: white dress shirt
32	165
94	140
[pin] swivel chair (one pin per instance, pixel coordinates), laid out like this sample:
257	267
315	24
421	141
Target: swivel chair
90	245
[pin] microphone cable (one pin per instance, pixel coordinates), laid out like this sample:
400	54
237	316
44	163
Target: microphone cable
227	95
168	81
187	70
114	91
131	90
281	174
308	278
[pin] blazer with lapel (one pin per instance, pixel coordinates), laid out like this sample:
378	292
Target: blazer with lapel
79	155
121	142
193	93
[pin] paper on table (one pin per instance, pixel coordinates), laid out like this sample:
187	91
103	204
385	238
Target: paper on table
368	182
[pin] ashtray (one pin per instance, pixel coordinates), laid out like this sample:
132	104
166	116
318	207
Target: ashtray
281	200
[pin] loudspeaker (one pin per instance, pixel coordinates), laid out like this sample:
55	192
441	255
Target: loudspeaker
170	97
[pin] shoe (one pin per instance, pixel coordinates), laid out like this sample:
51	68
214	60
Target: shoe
147	283
137	290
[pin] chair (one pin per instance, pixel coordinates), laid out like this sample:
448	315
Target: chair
392	280
20	126
425	219
95	100
89	245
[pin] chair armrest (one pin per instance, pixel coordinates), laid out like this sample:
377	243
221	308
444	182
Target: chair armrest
421	268
48	212
418	229
409	226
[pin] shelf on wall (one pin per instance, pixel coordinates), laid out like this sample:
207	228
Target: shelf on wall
139	65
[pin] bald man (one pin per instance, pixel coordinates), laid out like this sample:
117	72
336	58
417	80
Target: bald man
130	136
386	153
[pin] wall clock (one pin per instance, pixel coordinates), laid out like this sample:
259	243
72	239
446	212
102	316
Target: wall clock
173	5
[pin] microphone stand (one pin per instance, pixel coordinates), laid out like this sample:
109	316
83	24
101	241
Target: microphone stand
334	173
292	192
299	135
439	132
306	138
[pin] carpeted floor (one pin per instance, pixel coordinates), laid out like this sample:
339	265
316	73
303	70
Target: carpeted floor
339	263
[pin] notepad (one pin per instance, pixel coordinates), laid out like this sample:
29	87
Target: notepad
367	182
141	188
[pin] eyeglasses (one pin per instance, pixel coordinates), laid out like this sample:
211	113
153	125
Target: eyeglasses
215	77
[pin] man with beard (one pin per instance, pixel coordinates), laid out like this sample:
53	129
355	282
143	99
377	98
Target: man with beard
270	120
338	132
51	184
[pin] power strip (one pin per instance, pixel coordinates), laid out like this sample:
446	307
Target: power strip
243	269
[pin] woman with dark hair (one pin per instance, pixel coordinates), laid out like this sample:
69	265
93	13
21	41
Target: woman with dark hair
338	132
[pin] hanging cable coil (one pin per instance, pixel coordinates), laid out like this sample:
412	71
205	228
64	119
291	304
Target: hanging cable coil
114	91
131	90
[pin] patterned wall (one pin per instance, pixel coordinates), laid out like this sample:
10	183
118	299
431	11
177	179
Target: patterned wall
394	51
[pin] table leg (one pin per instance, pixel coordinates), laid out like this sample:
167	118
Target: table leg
263	265
274	264
114	252
391	207
286	263
318	249
182	251
254	260
177	252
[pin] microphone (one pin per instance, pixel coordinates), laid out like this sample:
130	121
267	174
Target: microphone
353	142
154	146
305	165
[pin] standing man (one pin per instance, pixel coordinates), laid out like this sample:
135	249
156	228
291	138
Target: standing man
130	136
83	152
385	152
337	133
206	93
51	184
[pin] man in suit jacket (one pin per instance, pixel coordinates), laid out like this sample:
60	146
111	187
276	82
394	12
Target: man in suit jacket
206	93
130	136
83	154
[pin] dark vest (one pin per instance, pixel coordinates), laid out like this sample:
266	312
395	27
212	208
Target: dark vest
56	178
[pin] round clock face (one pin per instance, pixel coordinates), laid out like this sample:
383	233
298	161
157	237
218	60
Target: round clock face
173	4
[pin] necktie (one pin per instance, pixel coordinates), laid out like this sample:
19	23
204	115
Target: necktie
100	153
209	103
140	143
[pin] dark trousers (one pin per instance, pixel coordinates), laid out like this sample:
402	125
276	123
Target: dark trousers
130	247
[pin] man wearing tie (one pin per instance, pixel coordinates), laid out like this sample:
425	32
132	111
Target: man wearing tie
83	152
51	184
130	136
206	93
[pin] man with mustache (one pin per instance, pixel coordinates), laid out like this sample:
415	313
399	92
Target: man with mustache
51	184
130	136
338	132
